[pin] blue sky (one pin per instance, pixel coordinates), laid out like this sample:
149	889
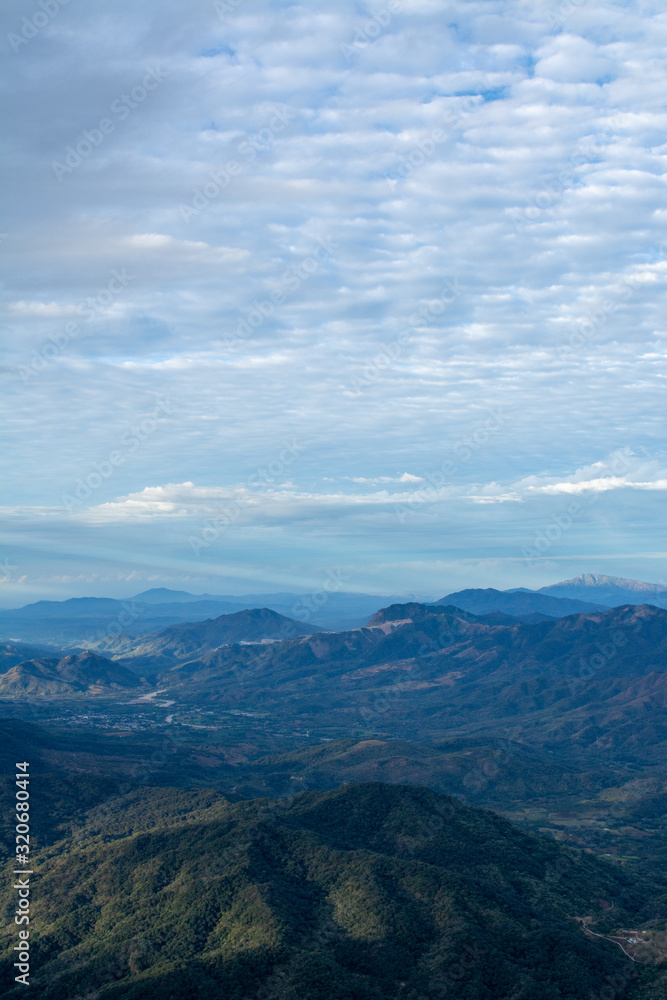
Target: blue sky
293	288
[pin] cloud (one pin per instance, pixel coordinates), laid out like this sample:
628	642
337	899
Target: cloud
51	310
407	477
263	497
602	485
486	177
622	470
572	59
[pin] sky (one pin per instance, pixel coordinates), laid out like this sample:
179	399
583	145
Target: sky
300	290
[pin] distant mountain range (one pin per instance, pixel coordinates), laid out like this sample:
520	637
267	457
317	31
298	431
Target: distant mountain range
368	892
86	621
594	679
518	603
415	670
610	590
428	669
82	621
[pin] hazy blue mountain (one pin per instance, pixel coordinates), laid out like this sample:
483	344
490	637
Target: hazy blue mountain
611	591
419	670
78	622
12	653
93	622
178	642
73	607
162	595
517	603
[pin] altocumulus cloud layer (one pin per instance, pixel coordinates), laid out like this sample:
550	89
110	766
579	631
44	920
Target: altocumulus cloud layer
294	287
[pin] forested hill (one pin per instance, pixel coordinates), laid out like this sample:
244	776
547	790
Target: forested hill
370	892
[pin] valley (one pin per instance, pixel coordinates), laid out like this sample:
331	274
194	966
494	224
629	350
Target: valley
555	725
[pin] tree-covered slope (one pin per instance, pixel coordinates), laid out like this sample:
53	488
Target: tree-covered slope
369	892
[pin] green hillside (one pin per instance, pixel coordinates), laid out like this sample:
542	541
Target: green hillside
592	801
369	892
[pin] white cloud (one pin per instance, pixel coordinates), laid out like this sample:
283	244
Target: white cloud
622	470
264	497
407	477
50	310
601	485
572	59
536	203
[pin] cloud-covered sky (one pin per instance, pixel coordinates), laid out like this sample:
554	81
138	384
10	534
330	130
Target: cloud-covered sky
294	287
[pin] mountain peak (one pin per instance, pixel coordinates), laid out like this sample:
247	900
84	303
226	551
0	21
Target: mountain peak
162	595
188	639
599	580
611	591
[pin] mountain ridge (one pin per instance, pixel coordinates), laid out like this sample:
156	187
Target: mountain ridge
74	674
368	892
78	622
609	590
178	642
517	603
428	665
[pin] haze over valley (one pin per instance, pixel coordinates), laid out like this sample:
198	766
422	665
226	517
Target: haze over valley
548	710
